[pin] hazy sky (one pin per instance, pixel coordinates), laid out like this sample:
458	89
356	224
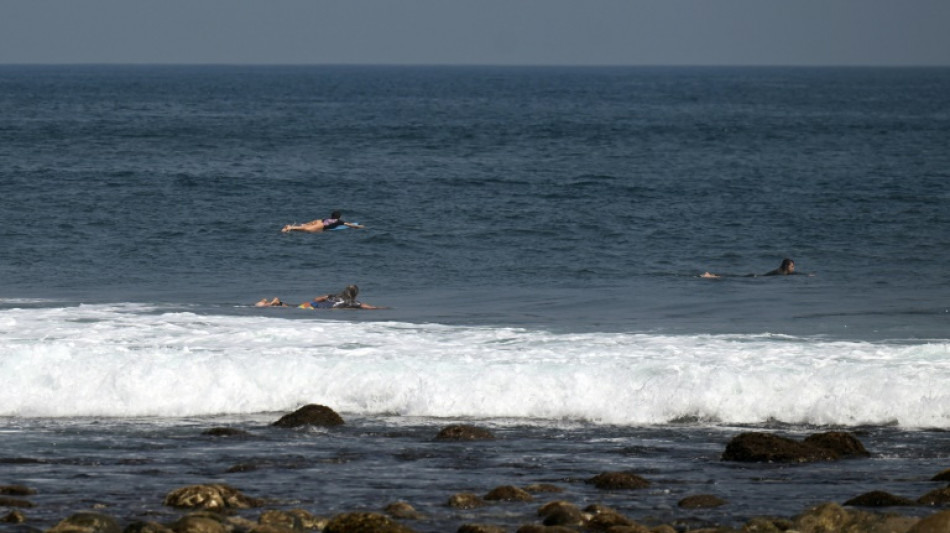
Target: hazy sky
495	32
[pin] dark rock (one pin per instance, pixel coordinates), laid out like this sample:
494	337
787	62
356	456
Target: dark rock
608	520
538	488
87	522
618	481
935	523
14	502
534	528
841	443
13	517
198	524
464	433
936	497
307	519
942	476
226	432
283	519
16	490
479	528
146	527
403	511
361	522
213	497
825	517
554	506
311	414
508	493
767	447
565	516
465	500
878	498
701	501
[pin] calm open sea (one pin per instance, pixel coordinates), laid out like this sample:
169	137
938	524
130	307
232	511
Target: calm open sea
538	236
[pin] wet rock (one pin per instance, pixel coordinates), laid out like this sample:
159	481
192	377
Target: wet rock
86	522
308	520
936	523
14	502
312	415
825	517
942	476
508	493
16	490
362	522
226	432
761	524
561	513
770	448
464	433
241	467
213	497
465	500
479	528
843	444
282	519
195	523
13	517
701	501
878	498
618	481
146	527
633	528
403	511
607	520
936	497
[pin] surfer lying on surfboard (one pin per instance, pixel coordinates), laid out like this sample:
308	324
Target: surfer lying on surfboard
345	300
787	268
334	221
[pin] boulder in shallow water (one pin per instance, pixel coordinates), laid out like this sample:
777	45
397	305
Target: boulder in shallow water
362	522
840	442
198	524
462	432
942	476
935	523
618	481
701	501
937	497
13	517
86	522
508	493
878	498
403	511
16	490
479	528
465	500
226	432
771	448
212	497
310	415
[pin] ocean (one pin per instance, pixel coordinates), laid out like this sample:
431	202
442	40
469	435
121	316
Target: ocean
538	237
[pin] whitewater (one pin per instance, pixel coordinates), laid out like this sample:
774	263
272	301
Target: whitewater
134	360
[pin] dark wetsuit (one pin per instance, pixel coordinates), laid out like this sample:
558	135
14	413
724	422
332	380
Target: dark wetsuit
330	223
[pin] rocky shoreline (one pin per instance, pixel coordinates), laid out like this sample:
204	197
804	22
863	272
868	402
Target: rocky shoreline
534	508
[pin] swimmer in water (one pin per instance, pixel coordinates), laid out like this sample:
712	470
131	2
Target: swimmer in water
344	300
787	268
315	226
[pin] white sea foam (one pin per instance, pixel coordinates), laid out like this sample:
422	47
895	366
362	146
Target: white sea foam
122	361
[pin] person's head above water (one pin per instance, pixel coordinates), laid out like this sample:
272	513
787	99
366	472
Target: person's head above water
349	293
336	214
787	267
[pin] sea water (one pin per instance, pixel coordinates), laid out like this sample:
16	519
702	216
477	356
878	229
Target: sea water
537	235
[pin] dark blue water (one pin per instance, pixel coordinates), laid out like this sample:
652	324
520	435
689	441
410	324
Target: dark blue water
570	197
553	200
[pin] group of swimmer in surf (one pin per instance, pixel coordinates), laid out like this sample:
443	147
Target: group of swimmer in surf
345	299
